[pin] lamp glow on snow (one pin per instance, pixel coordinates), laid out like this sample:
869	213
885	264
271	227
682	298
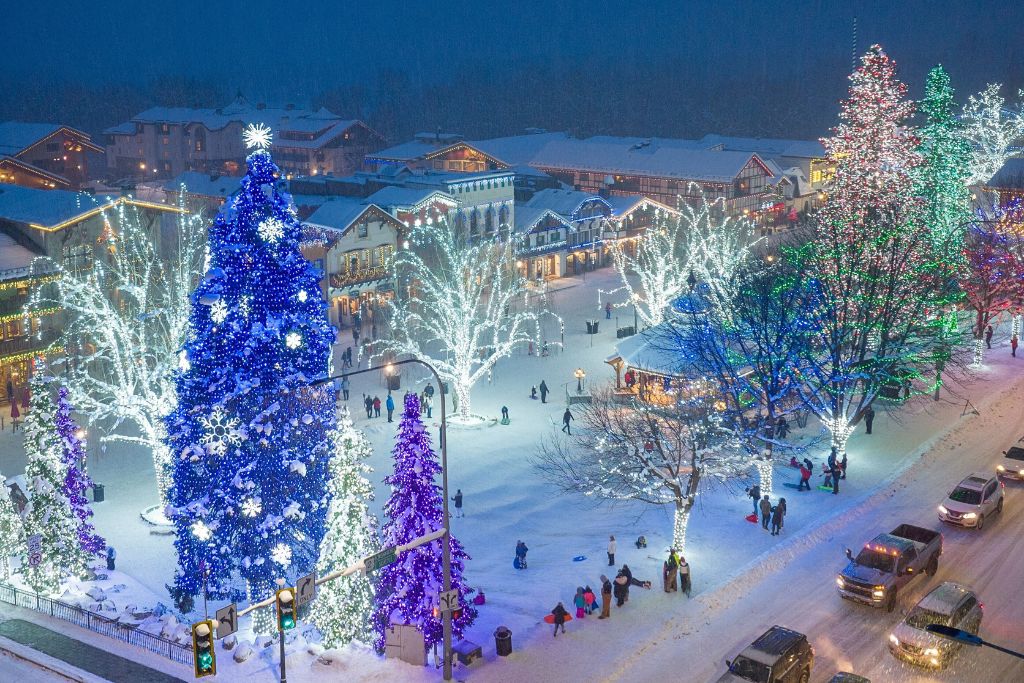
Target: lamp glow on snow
579	374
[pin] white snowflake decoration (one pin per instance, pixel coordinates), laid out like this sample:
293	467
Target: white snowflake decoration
281	554
221	431
257	136
218	311
271	230
293	340
251	507
201	531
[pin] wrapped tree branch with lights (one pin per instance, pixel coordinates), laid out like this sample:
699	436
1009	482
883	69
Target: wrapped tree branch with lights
702	244
461	309
126	316
649	454
407	589
992	129
251	440
342	608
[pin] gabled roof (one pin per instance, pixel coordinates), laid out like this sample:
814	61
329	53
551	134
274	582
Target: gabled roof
527	218
340	213
51	210
203	184
649	351
17	136
648	143
516	150
623	206
406	151
325	131
662	162
564	202
15	257
407	198
33	169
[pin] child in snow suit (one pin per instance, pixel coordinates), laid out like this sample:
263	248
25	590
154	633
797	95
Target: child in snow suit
580	602
606	597
668	571
521	551
641	542
588	595
560	614
805	478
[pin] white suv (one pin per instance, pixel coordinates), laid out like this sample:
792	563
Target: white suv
976	497
949	604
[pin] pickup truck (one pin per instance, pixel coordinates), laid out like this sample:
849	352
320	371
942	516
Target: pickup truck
888	563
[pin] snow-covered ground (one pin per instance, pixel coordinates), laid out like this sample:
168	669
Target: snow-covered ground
744	579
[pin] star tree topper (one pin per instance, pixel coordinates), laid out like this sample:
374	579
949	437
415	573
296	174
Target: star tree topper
257	136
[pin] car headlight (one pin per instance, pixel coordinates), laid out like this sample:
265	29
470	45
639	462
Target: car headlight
971	515
1021	473
894	640
931	652
943	510
878	593
840	582
1000	468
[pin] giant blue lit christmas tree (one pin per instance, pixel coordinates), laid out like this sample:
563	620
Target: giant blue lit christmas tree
407	590
251	440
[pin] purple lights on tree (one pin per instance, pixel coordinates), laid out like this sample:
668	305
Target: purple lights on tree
76	481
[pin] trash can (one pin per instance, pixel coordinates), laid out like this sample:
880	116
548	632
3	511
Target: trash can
590	327
503	641
596	324
394	382
97	493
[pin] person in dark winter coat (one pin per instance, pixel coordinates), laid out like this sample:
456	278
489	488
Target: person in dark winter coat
606	597
869	418
390	405
777	512
560	614
766	511
684	576
368	402
504	415
566	417
1013	346
669	569
634	581
344	387
533	393
458	503
543	392
376	406
111	556
805	478
842	467
608	311
988	336
782	428
621	589
521	551
755	493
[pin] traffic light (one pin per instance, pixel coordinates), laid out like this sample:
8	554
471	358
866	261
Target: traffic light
286	609
203	656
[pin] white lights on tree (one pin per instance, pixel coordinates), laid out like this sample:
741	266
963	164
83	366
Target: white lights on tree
303	295
271	230
183	363
993	131
257	136
281	554
466	306
221	431
293	340
201	531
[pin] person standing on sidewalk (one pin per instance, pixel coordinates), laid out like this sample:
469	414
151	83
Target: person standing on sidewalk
766	511
611	551
606	597
458	503
390	405
543	392
869	418
755	494
1013	346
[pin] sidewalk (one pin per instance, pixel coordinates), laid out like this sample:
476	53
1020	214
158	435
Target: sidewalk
80	655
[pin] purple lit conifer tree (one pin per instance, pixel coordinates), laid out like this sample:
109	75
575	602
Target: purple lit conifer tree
407	590
76	481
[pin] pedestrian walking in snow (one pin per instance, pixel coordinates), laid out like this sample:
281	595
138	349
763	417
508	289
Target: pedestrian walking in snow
368	403
805	478
1013	346
684	576
755	493
521	550
836	474
590	598
782	427
111	556
606	597
566	416
559	614
611	551
669	572
429	403
376	406
390	405
608	311
766	511
988	336
533	393
429	389
776	519
641	542
869	418
344	386
543	392
581	603
504	415
458	503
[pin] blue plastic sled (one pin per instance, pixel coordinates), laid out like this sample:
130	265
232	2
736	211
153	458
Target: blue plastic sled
579	558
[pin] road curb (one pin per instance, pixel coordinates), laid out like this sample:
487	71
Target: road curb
44	662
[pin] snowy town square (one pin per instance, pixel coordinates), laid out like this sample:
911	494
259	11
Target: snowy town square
443	341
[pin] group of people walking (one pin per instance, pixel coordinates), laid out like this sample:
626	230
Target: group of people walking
586	602
373	404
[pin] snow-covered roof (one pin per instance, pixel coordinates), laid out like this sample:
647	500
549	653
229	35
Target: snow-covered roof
649	351
338	212
15	257
412	198
1010	176
48	209
15	136
527	217
774	147
563	202
32	168
203	184
325	132
517	149
645	143
407	151
625	205
662	162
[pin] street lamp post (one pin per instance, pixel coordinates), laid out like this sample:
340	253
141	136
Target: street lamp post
579	374
446	546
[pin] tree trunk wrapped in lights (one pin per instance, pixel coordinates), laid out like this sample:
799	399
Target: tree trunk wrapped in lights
126	317
638	452
462	307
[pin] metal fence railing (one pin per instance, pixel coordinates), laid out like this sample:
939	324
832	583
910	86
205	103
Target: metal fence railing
97	623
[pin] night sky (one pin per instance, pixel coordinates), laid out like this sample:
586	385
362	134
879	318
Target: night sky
275	53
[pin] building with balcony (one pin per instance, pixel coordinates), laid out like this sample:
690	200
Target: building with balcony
44	156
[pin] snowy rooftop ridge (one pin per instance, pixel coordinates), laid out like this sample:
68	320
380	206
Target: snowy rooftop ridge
15	136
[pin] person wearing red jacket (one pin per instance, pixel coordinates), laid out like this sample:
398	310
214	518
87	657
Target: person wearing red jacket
805	478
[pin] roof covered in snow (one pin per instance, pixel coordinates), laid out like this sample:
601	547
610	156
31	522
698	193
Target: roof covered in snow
409	151
527	217
48	208
649	351
203	184
338	212
1010	176
395	197
15	257
563	202
15	136
773	147
517	150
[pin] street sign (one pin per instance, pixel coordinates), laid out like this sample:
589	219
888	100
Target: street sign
227	621
35	550
448	601
305	589
381	559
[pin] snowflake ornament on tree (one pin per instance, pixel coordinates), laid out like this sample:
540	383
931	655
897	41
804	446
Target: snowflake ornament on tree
218	311
221	431
271	230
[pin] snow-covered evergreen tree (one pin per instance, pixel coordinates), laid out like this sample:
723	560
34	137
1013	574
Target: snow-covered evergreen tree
12	530
407	589
342	608
49	513
250	438
76	482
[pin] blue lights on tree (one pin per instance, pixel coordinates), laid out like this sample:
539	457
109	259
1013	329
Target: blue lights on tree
407	590
251	442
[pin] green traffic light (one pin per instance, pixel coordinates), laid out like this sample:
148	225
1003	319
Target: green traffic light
287	622
205	661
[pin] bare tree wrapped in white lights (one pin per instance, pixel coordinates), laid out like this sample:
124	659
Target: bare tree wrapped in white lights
651	454
701	244
992	130
461	306
126	314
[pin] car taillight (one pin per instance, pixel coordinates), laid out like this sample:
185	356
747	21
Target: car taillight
981	605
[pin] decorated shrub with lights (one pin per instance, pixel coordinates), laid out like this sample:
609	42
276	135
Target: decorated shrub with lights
407	590
76	481
250	440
